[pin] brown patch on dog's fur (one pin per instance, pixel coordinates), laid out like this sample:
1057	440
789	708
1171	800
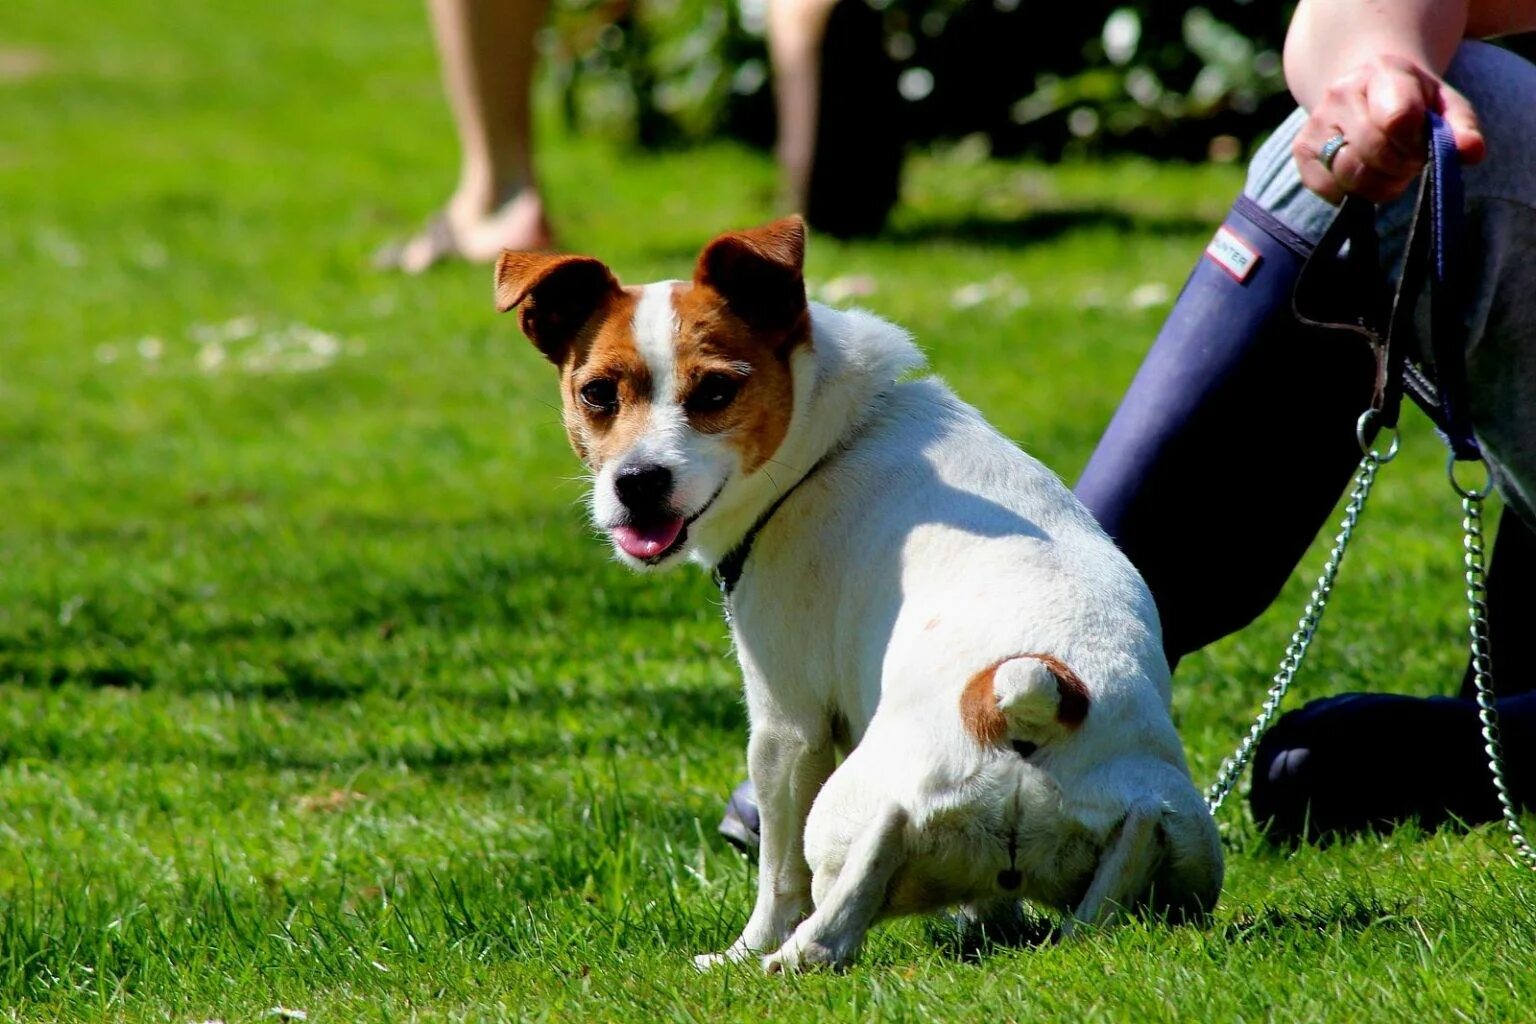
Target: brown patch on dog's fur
1072	690
979	714
984	720
575	313
605	349
560	296
746	311
713	339
758	272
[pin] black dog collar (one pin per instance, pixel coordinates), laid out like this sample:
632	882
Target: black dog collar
728	572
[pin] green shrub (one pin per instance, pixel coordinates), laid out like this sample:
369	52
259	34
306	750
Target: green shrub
1139	76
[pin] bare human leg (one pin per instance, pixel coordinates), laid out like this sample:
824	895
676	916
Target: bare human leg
487	48
796	30
841	133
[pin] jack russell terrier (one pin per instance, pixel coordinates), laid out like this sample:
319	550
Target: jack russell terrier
906	590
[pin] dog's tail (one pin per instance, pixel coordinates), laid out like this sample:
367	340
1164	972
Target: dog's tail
1029	697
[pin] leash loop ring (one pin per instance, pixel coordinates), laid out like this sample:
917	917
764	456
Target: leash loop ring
1367	443
1469	493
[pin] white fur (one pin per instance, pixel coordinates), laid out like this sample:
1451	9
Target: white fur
655	331
926	549
854	356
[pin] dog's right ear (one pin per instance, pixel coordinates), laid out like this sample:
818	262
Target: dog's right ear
759	272
557	293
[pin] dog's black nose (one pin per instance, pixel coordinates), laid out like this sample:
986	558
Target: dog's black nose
643	488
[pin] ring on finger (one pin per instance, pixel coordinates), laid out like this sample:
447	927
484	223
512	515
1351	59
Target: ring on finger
1330	150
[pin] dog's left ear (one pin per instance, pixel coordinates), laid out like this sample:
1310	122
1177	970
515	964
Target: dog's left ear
558	295
758	272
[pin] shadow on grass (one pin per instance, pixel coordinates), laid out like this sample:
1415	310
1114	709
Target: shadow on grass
996	231
972	943
1350	914
535	730
1044	226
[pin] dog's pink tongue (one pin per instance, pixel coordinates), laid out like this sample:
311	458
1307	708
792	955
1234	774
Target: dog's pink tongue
648	541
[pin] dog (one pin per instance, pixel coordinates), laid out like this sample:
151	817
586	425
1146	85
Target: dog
906	589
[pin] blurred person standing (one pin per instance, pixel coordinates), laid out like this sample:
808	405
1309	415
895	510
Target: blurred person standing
488	52
488	49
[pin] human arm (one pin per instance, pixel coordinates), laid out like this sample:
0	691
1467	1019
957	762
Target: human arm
1369	71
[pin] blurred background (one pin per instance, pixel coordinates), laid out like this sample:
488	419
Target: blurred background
1090	78
1190	83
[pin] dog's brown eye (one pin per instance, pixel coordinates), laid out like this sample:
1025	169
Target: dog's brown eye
601	396
713	393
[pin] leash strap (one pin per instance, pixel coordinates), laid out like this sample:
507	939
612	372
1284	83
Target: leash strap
1431	268
1447	332
727	573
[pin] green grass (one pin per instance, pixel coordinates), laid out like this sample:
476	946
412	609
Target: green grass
315	691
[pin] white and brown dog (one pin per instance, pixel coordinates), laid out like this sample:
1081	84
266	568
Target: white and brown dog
907	590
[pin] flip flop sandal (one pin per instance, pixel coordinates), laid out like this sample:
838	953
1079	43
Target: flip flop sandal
438	235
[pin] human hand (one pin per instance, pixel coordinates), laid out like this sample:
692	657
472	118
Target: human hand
1379	109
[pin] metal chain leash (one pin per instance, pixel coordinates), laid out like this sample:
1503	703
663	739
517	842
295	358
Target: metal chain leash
1474	562
1482	665
1296	651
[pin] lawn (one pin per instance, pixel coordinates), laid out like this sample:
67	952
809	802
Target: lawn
316	692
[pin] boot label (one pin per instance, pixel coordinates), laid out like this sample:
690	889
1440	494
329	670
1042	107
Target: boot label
1232	254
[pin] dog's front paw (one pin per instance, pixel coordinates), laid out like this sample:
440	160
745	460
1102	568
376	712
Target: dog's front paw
798	955
709	961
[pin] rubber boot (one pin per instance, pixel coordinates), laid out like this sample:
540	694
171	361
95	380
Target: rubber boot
1367	761
1237	435
740	825
1225	459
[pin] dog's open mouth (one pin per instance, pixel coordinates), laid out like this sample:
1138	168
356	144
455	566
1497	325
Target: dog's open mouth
651	542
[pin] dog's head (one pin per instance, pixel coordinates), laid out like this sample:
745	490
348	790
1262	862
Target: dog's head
672	392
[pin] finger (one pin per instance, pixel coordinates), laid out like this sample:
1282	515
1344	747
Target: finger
1314	175
1370	144
1396	101
1320	126
1458	113
1357	179
1347	174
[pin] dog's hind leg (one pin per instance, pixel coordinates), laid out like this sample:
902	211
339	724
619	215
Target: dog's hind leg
831	936
787	770
1187	888
1126	868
